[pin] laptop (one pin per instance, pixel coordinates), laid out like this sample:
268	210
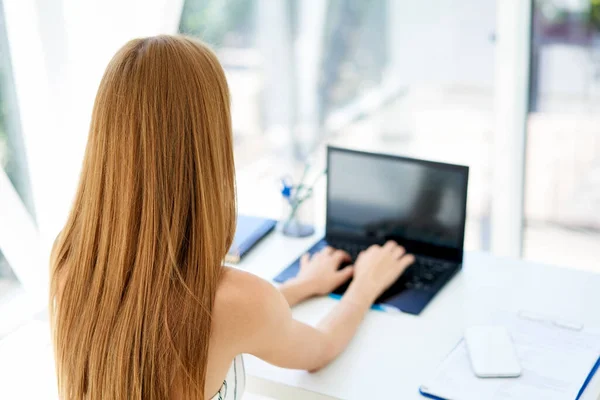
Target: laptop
373	198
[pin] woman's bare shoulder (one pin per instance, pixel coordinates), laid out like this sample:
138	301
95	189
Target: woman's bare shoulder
241	295
235	281
244	305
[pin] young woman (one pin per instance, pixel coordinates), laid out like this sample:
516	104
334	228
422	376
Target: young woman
141	304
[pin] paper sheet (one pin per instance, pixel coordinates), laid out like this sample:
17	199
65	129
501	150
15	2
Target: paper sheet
555	361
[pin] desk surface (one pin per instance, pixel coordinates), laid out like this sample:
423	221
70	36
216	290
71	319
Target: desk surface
397	352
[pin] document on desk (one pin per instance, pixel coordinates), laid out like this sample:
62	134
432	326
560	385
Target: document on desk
556	362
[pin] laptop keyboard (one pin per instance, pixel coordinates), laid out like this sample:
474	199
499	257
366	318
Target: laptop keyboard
422	274
350	248
426	271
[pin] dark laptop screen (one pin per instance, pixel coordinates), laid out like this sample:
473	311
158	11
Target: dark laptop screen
378	197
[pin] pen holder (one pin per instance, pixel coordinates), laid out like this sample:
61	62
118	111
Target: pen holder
291	224
294	196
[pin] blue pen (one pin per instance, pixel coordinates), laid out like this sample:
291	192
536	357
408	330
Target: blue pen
286	188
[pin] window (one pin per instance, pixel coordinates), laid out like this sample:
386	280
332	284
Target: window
562	191
400	77
12	155
257	61
424	79
229	26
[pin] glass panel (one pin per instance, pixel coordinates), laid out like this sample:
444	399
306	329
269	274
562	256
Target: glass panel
562	191
6	272
417	80
355	52
229	27
384	75
232	29
12	155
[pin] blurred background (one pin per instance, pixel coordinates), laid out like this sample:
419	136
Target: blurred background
510	88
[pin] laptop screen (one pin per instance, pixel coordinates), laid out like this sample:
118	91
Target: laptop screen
379	197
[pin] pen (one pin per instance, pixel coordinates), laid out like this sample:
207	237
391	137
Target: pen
572	325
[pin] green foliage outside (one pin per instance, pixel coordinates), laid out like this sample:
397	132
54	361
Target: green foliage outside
352	52
595	14
221	23
557	12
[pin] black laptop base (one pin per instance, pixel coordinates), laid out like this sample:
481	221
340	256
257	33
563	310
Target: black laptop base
410	293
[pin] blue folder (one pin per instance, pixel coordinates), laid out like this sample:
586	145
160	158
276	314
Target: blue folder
249	231
589	378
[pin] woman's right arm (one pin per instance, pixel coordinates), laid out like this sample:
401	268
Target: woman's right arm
270	332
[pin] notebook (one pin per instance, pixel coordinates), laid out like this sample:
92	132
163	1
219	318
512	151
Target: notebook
249	231
557	361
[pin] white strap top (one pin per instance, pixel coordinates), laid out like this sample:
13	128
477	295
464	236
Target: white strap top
234	383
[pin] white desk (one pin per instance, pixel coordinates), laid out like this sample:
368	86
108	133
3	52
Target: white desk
392	354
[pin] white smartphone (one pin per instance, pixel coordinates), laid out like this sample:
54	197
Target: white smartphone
492	352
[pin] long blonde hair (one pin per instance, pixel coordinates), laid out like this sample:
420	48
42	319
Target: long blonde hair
135	270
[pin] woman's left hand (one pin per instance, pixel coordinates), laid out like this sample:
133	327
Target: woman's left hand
321	272
318	275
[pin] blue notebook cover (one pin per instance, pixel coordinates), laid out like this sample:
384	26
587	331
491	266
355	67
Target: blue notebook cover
249	231
589	378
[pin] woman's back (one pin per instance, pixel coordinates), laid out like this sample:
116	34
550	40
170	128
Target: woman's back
141	305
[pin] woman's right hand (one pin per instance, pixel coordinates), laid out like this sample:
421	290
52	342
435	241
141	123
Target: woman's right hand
378	267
